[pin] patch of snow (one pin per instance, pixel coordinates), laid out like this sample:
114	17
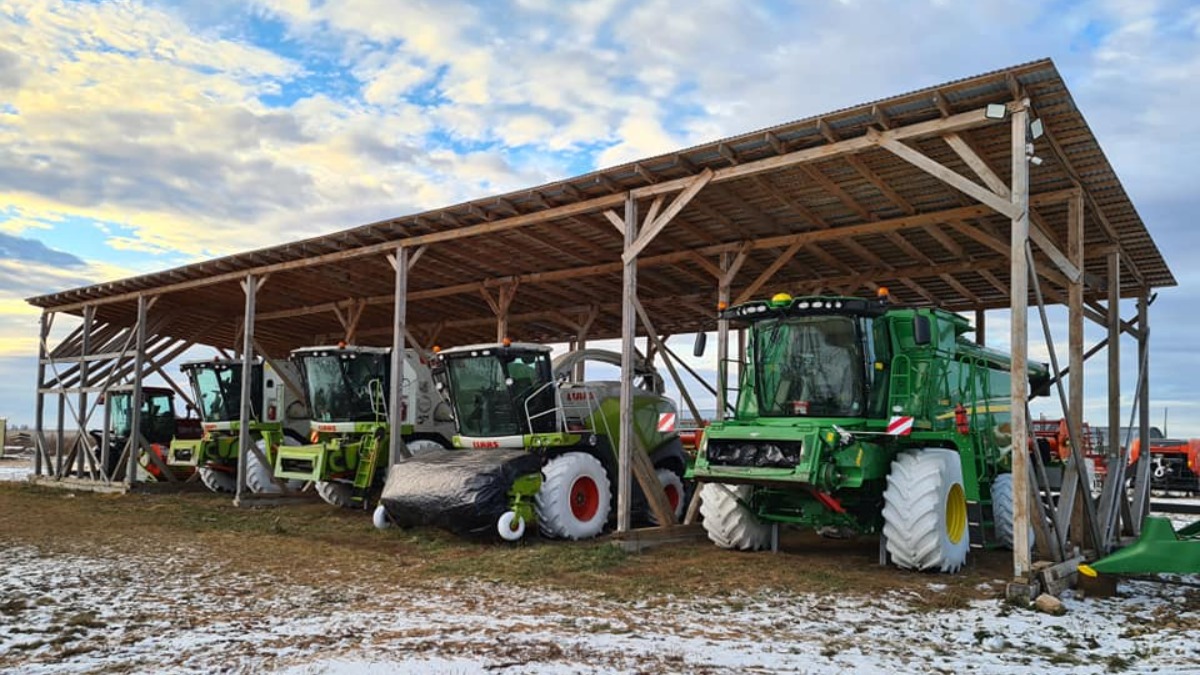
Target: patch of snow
72	613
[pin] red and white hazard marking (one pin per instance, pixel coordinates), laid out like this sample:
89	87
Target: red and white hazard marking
666	422
900	426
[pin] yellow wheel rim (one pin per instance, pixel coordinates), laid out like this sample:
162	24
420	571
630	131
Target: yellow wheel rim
956	514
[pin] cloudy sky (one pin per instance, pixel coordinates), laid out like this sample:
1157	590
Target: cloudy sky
138	135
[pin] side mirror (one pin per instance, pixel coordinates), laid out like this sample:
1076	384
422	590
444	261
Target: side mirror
922	333
701	343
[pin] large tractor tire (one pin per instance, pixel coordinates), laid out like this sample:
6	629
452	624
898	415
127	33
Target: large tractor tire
673	489
335	493
421	446
728	522
260	477
575	497
925	511
1002	509
218	481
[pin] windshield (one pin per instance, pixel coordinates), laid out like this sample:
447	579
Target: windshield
346	386
493	390
809	366
218	388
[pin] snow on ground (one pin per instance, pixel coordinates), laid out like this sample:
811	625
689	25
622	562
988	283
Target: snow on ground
15	467
78	614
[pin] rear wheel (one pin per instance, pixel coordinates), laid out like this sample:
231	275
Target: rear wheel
335	494
925	511
218	481
575	497
673	490
728	522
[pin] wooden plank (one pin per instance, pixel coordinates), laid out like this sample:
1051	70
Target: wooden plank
642	539
652	488
615	220
693	188
947	175
783	259
652	334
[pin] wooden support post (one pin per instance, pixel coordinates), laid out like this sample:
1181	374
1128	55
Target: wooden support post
134	446
106	444
42	453
980	327
397	450
250	287
59	449
581	341
1114	355
1141	494
1075	250
1071	509
628	335
89	315
1019	341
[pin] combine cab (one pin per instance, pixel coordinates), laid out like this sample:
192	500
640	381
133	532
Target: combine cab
853	416
278	418
159	426
534	448
346	390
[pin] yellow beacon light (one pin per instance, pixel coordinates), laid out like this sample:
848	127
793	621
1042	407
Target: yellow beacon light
781	299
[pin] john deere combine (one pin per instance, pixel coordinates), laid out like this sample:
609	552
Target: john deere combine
853	416
278	418
534	448
346	389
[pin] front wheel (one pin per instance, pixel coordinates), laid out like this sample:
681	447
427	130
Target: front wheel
575	497
335	493
925	511
728	522
510	527
218	481
380	518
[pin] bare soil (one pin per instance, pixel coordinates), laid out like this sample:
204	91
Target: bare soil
342	544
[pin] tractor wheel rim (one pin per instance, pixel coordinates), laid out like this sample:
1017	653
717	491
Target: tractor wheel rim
672	497
585	498
956	514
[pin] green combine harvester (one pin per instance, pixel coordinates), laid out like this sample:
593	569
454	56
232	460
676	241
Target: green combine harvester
534	449
346	388
278	418
854	416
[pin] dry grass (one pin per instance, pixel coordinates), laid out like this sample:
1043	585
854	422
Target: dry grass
314	544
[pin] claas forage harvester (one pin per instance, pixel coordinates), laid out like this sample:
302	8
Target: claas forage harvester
533	448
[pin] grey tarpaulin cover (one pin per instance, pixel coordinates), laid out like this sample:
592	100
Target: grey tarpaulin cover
464	491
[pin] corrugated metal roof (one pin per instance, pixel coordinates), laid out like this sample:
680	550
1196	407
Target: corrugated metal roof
567	263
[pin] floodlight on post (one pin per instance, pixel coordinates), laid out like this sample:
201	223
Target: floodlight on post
1036	129
995	111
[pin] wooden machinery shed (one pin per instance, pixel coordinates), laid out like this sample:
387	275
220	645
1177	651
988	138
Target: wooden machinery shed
947	196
